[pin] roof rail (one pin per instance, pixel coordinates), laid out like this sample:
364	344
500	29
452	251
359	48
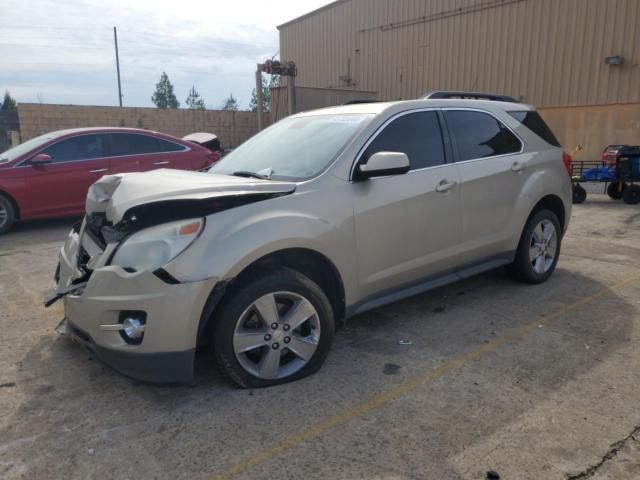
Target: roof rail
470	95
357	102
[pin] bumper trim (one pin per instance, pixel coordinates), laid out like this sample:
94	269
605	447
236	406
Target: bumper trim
161	367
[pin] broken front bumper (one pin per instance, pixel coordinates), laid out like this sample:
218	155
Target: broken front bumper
94	309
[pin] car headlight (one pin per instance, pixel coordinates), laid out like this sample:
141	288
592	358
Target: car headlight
154	247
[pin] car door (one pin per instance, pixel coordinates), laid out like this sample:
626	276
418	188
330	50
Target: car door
407	226
60	187
492	170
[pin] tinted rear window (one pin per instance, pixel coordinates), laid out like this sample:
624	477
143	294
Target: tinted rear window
534	122
480	135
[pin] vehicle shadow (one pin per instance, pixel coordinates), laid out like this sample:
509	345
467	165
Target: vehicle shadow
36	232
67	407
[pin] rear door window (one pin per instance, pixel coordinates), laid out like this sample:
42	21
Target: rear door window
480	135
137	144
74	149
416	134
132	144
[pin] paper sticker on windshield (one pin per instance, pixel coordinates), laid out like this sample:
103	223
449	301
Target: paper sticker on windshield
351	119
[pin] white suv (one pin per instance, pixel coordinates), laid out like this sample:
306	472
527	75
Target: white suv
324	215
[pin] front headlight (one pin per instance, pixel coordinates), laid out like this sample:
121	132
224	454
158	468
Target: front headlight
154	247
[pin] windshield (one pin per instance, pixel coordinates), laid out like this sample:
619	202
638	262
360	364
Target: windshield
13	153
294	148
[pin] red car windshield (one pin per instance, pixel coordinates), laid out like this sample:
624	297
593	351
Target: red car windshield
19	150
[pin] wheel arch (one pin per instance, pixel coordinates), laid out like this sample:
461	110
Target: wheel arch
553	203
16	207
310	263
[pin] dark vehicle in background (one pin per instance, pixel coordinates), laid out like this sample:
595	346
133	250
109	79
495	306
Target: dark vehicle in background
48	176
618	170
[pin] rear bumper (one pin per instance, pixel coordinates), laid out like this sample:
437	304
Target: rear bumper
159	367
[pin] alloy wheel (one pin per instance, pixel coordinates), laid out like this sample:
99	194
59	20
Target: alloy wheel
276	335
543	247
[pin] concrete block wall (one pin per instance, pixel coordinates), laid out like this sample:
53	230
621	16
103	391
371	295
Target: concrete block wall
233	128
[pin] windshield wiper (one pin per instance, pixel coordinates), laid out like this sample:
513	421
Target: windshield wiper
246	174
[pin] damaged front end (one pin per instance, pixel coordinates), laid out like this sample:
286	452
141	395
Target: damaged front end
120	206
119	301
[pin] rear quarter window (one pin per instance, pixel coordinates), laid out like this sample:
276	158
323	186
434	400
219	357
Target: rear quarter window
534	122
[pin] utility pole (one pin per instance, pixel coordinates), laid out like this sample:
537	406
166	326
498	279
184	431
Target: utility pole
291	94
259	95
115	39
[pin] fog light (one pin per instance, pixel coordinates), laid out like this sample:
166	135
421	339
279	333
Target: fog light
133	325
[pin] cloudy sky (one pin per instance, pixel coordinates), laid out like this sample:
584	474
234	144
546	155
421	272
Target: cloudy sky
57	51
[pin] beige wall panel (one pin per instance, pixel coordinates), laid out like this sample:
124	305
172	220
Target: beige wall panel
594	127
548	52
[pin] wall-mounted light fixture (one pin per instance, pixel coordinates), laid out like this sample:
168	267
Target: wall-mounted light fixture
614	60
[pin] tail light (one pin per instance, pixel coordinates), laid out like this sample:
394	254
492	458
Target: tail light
213	157
567	160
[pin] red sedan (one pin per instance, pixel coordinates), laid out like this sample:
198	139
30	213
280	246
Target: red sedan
48	176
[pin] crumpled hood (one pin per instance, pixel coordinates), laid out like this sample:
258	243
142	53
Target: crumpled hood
116	194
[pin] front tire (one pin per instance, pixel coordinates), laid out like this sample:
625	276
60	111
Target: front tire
7	214
538	250
273	329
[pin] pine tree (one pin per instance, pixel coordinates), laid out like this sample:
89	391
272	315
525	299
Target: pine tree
230	104
194	101
8	103
164	97
266	94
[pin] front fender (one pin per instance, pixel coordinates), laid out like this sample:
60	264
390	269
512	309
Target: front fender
235	239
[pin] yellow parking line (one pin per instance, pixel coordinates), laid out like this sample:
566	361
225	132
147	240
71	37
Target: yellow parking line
406	386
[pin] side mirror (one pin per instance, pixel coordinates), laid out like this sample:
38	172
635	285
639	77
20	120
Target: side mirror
41	159
384	163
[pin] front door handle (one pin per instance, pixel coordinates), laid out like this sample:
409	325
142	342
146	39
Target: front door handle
164	162
518	166
99	170
445	186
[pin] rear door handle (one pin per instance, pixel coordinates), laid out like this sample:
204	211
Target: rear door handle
518	166
164	162
99	170
445	186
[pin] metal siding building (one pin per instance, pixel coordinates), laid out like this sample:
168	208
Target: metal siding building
549	53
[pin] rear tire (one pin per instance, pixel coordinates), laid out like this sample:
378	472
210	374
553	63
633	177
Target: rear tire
579	194
538	250
273	329
631	194
7	214
615	191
